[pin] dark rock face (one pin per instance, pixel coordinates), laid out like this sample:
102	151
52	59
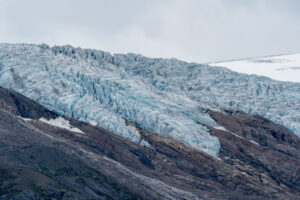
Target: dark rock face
22	106
258	160
260	148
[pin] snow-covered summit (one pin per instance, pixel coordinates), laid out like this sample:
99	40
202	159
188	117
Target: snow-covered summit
282	68
165	96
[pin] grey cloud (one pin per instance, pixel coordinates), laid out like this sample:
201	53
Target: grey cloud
192	30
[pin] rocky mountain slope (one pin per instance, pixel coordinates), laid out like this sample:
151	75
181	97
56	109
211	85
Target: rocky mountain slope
258	159
84	124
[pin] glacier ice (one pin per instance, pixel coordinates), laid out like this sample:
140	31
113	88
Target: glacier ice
165	96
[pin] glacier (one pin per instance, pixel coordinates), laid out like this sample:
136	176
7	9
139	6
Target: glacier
164	96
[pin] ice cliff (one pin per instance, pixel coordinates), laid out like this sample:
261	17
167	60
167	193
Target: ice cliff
165	96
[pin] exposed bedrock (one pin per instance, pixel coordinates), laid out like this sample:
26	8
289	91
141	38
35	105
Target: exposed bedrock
258	159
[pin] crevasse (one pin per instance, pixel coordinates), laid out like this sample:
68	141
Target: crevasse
165	96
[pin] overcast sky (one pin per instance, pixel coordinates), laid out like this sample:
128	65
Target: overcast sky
191	30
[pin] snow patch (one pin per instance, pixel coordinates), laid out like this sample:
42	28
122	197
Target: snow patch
282	68
253	142
224	129
144	143
93	123
25	119
221	128
61	123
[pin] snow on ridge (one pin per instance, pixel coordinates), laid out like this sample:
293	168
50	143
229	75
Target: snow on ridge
236	135
61	123
25	119
282	68
221	128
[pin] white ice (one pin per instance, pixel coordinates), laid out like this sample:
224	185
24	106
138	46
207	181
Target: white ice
61	123
282	68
